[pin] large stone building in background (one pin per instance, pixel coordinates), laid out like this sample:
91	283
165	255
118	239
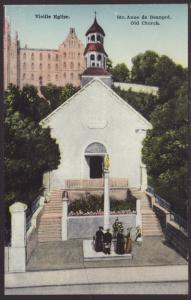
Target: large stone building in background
42	66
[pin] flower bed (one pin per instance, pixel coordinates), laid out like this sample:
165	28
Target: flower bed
92	205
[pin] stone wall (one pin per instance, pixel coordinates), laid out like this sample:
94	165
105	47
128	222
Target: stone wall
173	234
86	226
6	260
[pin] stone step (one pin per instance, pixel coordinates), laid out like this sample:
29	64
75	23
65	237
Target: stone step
152	233
52	239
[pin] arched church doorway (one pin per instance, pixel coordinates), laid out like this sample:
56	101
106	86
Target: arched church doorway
94	155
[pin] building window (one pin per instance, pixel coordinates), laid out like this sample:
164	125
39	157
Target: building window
78	65
56	57
40	66
24	76
56	67
99	57
78	54
40	56
56	77
71	76
32	66
93	38
32	76
71	65
93	64
64	65
64	54
98	38
32	56
24	66
24	55
49	56
40	80
92	57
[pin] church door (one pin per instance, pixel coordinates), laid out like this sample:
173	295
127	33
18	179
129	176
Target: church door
96	163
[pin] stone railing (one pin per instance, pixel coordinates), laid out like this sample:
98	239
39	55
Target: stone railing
95	183
173	226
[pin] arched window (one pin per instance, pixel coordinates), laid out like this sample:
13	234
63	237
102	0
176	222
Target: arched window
32	76
92	57
24	66
93	38
49	56
40	56
64	65
99	57
71	76
32	56
93	64
71	65
24	55
98	38
95	148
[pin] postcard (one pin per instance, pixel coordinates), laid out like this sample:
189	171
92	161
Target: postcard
96	151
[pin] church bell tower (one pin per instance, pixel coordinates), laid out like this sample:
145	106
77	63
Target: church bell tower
95	56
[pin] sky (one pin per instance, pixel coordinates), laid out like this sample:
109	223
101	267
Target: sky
123	40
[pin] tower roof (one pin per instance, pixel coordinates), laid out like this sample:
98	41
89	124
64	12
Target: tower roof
95	28
95	47
96	72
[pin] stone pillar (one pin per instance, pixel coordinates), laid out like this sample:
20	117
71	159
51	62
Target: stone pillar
65	201
106	199
17	258
144	183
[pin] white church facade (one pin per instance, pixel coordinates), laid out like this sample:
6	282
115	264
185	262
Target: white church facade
94	122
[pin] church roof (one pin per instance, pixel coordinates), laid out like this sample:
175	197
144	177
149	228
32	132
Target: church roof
98	47
47	119
96	72
95	28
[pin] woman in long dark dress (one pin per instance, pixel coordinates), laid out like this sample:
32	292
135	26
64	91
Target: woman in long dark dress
99	240
120	243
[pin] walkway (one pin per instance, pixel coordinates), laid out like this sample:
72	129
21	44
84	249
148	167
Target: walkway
69	255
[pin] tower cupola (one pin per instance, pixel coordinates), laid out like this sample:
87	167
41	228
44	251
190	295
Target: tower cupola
95	55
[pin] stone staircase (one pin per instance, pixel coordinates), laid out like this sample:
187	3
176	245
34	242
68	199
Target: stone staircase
150	222
50	222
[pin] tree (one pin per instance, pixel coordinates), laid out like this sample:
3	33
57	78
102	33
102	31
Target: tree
165	150
56	95
29	149
120	73
144	66
143	103
109	65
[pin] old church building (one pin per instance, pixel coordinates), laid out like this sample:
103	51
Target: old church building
94	122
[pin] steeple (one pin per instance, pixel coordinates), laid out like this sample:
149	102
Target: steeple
95	55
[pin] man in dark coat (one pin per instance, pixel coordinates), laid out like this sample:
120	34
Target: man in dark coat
107	238
120	243
99	240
